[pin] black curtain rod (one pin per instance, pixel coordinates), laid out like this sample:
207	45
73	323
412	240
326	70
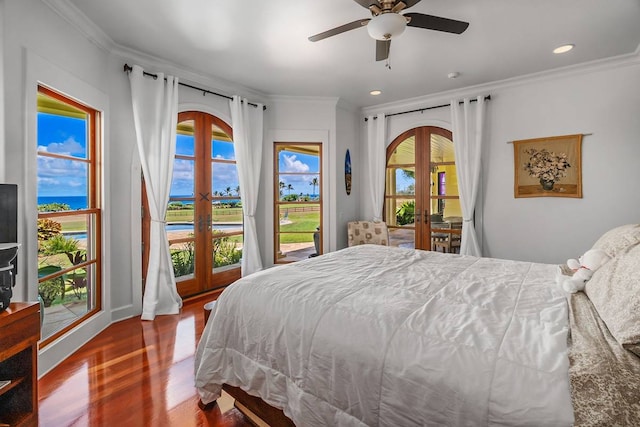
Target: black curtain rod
486	98
128	68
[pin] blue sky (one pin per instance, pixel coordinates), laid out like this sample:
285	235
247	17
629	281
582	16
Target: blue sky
61	135
224	176
67	136
305	167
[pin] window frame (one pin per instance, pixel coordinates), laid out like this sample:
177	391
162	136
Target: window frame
94	210
279	146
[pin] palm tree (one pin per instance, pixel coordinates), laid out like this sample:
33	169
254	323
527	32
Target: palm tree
281	187
289	187
227	191
314	182
238	190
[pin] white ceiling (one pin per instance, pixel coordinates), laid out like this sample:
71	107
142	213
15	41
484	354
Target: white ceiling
263	45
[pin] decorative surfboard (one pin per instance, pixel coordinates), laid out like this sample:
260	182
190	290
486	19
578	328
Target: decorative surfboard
347	172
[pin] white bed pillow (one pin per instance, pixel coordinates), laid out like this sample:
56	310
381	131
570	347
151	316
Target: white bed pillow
614	291
618	239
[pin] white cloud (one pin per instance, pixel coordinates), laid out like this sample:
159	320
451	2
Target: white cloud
68	147
292	164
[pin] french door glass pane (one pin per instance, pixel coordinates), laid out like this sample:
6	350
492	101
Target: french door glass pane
185	142
225	216
179	216
404	153
227	250
183	257
222	150
225	183
182	181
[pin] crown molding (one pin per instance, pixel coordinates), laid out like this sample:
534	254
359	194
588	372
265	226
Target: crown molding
347	106
74	16
616	62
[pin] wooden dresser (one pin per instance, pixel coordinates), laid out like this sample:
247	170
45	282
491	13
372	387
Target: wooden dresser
19	335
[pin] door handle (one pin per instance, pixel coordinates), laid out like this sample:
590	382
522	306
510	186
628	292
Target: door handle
209	222
200	223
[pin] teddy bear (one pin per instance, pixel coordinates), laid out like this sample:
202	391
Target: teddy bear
582	268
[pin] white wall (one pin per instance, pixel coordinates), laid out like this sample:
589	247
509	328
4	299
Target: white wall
600	99
40	47
298	119
347	206
604	103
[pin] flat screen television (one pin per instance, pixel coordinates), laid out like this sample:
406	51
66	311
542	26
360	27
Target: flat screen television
8	213
8	234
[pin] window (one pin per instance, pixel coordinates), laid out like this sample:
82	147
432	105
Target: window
69	214
298	201
422	207
204	214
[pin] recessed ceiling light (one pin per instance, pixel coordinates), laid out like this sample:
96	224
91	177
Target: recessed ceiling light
375	92
564	48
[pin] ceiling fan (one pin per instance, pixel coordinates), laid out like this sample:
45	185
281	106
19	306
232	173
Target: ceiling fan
387	23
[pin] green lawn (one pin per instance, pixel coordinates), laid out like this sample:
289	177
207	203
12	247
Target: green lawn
221	215
301	228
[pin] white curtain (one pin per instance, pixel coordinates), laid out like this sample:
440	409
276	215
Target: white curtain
467	143
155	115
247	123
376	147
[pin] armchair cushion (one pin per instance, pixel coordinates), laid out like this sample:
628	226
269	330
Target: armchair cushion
363	232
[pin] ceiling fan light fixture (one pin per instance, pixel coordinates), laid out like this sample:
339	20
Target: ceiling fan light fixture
386	26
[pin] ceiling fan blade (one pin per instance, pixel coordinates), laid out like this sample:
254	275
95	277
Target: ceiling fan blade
382	49
368	3
341	29
410	3
437	23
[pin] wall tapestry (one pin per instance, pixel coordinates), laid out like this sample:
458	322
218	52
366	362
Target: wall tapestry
548	167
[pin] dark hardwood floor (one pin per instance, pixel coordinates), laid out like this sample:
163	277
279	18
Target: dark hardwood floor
134	373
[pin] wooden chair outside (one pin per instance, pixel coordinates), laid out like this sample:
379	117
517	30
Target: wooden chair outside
447	241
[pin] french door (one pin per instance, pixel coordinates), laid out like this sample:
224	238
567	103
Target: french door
422	207
204	214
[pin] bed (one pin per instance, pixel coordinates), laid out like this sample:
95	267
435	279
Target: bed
382	336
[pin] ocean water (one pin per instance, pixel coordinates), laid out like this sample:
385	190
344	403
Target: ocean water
80	202
74	202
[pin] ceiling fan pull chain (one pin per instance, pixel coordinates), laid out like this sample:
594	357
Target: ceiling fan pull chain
388	64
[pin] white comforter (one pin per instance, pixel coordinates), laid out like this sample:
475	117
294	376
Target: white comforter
381	336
